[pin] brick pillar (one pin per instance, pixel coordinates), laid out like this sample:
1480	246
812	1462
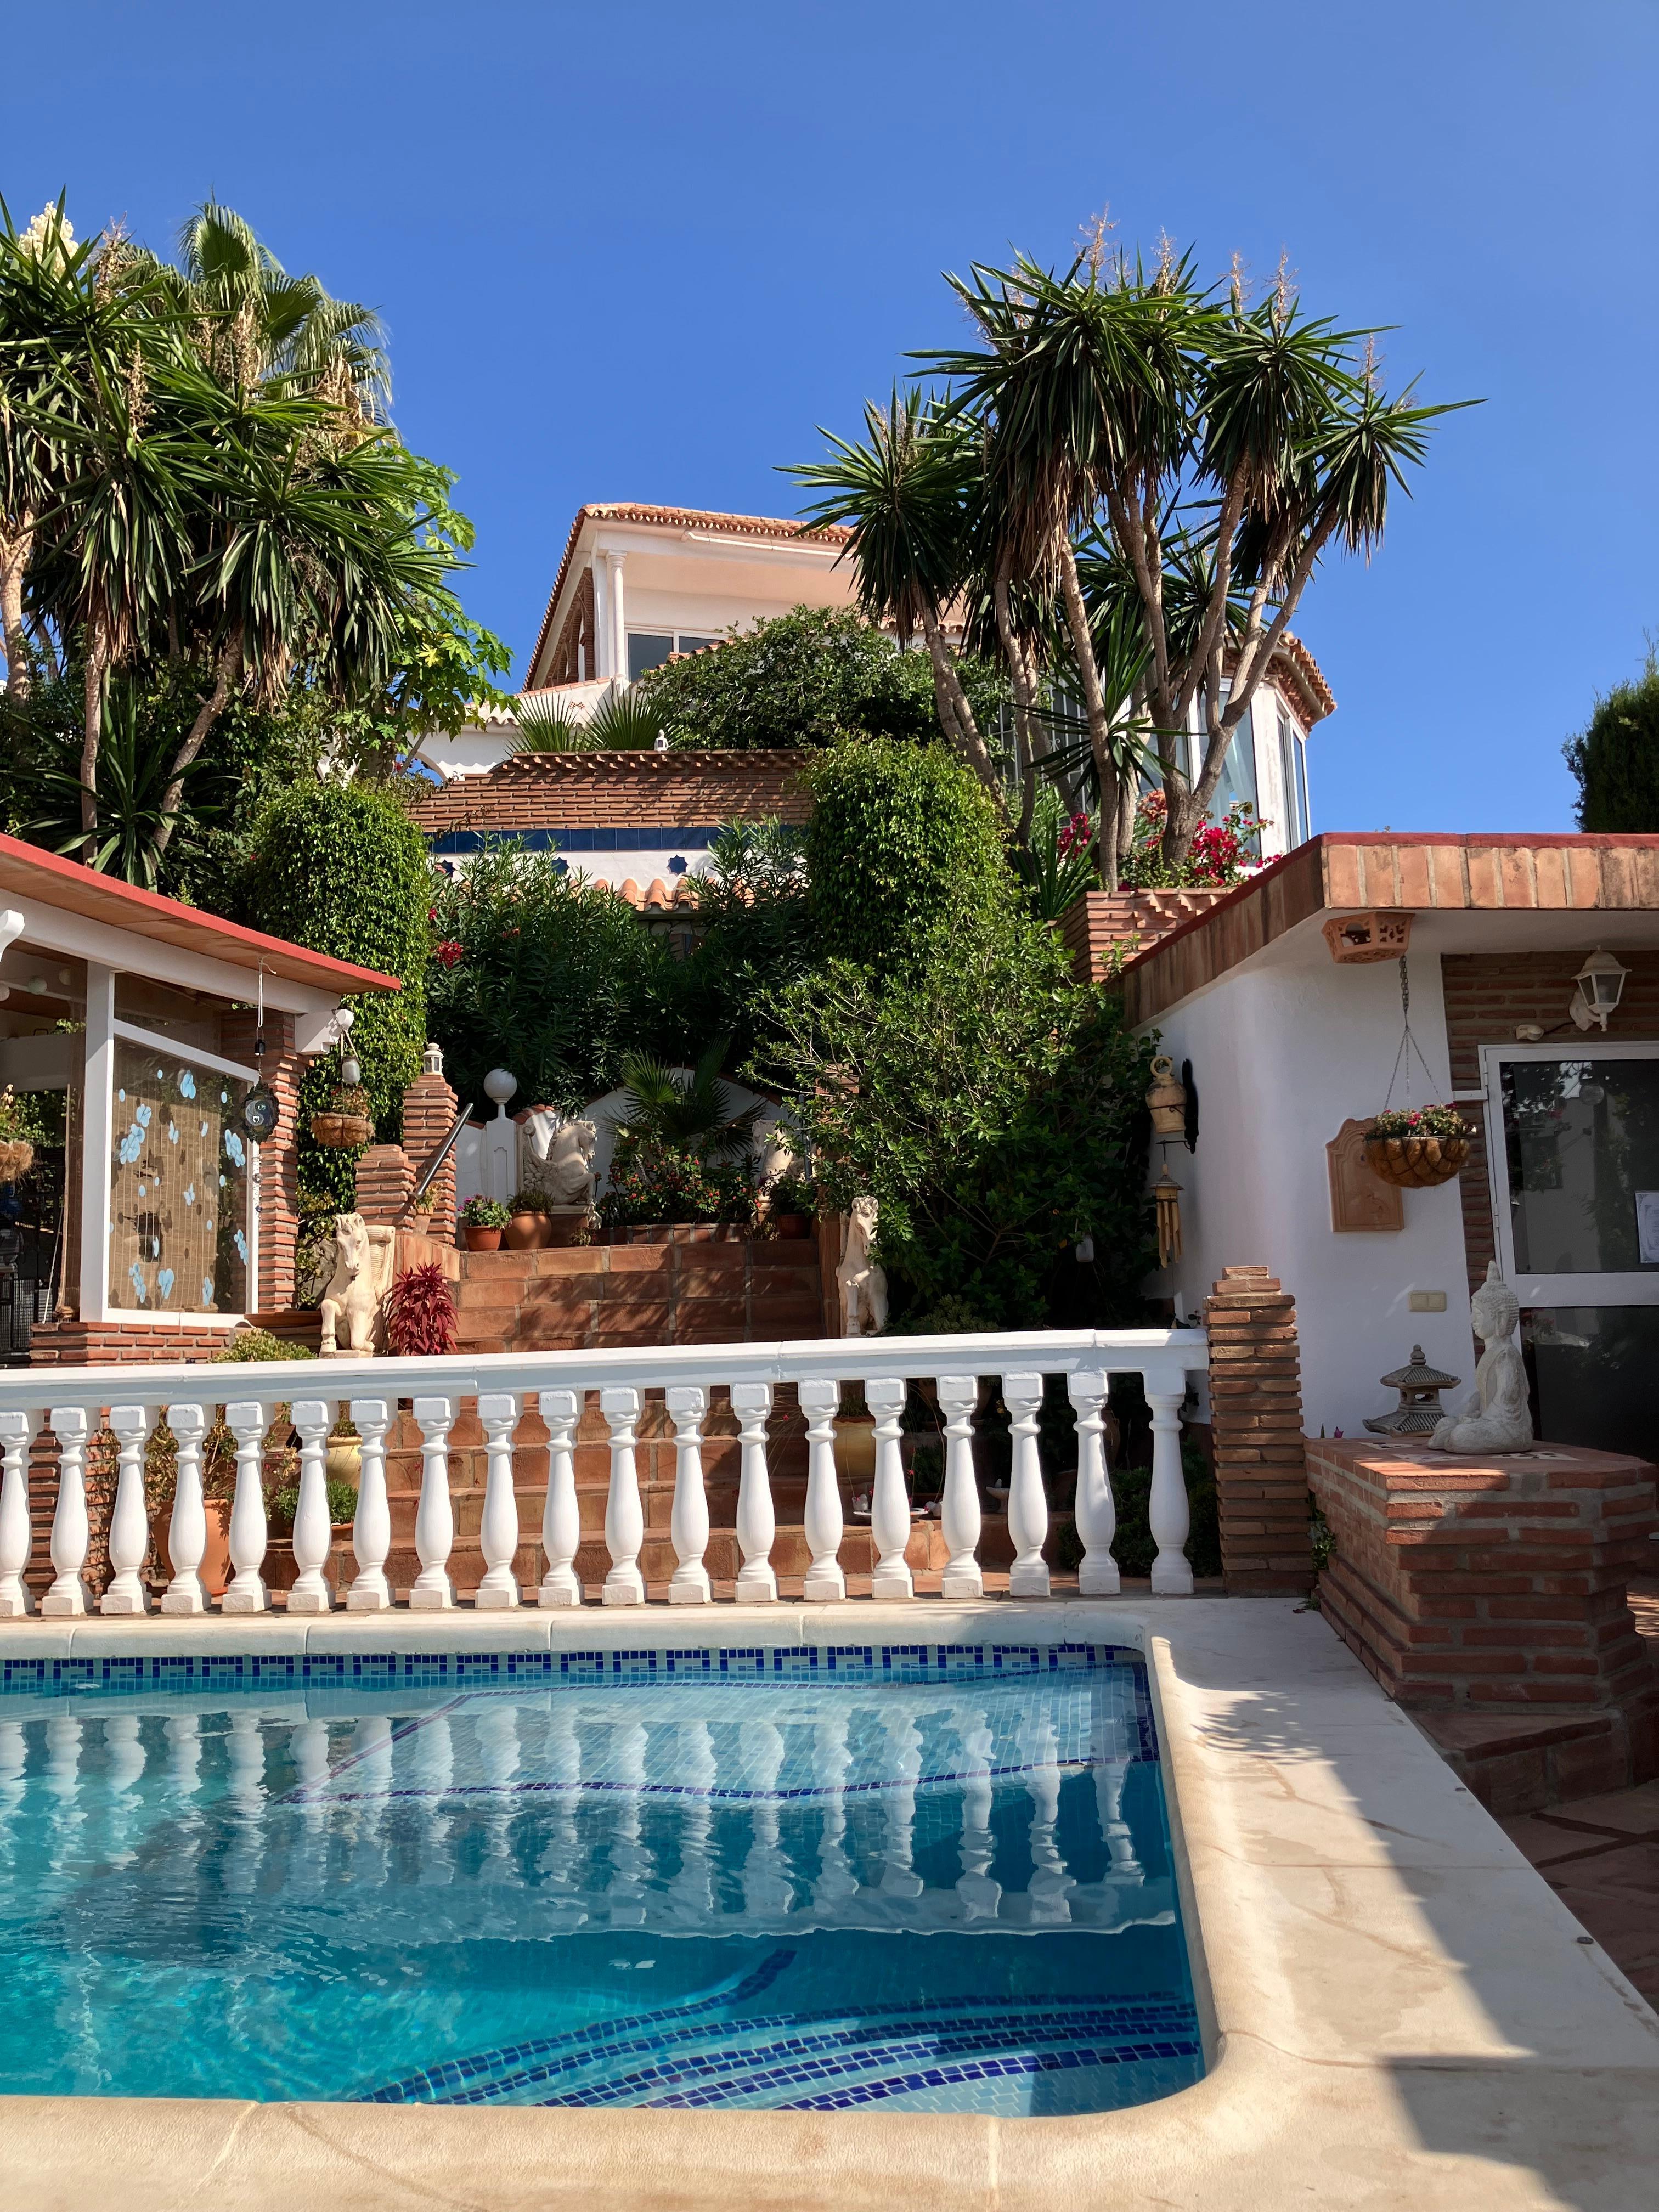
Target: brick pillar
279	1186
1255	1410
429	1109
386	1179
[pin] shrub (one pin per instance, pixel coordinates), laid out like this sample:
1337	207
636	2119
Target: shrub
260	1344
529	1202
1615	758
283	1503
420	1314
482	1212
341	868
1222	853
903	843
658	1183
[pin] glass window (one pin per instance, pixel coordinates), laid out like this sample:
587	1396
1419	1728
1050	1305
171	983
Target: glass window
695	644
1236	785
646	649
1293	764
1582	1144
178	1185
1592	1370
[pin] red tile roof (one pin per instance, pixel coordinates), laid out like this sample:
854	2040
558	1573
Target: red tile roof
575	790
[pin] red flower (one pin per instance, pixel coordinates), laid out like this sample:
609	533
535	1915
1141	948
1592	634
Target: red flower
450	951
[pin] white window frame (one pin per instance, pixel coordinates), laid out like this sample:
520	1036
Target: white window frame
197	1056
1610	1288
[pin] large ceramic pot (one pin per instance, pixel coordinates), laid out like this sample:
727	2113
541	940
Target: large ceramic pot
855	1448
527	1232
481	1240
793	1226
216	1569
1416	1163
345	1461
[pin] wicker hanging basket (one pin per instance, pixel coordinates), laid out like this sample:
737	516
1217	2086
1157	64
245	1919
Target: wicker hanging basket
341	1132
16	1157
1416	1163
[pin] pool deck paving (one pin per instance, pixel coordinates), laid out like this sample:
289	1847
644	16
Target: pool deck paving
1401	2014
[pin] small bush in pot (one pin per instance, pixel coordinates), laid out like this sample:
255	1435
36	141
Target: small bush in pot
791	1202
420	1312
482	1220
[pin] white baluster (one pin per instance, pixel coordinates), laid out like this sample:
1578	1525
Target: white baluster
70	1532
187	1523
1049	1891
1096	1515
630	1863
624	1522
758	1525
820	1400
691	1892
129	1525
899	1878
562	1527
768	1892
959	1395
183	1735
688	1407
434	1520
371	1526
1168	1515
16	1532
832	1764
981	1895
498	1534
889	1501
1028	1506
247	1422
313	1531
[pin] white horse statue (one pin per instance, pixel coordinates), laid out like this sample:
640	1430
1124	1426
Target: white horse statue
861	1282
353	1302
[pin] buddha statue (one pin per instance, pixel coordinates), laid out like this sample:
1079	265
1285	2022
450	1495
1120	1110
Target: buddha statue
1497	1416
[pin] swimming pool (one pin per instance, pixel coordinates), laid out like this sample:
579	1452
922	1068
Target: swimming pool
934	1883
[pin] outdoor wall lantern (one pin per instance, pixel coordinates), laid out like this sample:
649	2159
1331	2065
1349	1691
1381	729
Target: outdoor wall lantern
1600	985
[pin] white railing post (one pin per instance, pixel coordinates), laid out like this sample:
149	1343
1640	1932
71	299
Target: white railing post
624	1520
371	1525
431	1591
246	1592
498	1533
1167	1515
1095	1513
758	1525
1028	1506
562	1527
820	1401
187	1524
129	1523
17	1531
313	1531
889	1501
959	1514
688	1407
70	1532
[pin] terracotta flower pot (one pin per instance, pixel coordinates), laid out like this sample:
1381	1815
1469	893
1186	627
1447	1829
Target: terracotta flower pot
481	1240
855	1447
216	1569
527	1232
791	1226
1416	1163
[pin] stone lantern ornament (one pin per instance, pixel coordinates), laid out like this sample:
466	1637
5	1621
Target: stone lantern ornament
1419	1412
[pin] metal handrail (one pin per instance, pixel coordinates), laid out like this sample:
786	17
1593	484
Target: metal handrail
434	1166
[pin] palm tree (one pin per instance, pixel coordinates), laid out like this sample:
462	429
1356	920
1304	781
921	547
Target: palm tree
549	726
693	1112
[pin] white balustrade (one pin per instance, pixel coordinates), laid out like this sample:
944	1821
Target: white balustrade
313	1531
245	1593
889	1501
1028	1504
129	1399
624	1517
371	1526
562	1526
431	1591
687	1408
820	1401
1095	1514
959	1514
16	1533
758	1525
498	1533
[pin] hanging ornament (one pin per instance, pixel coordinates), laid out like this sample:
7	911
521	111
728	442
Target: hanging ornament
1167	1191
1167	1099
262	1110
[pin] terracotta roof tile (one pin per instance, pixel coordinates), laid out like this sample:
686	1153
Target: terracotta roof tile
577	791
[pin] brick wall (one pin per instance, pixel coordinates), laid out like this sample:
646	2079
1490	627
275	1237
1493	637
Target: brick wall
384	1182
1488	995
430	1106
279	1190
638	1294
1255	1413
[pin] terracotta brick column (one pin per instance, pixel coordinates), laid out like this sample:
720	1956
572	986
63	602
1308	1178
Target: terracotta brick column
279	1187
386	1179
1255	1411
430	1106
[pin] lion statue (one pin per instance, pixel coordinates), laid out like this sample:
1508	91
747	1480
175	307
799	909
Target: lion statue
353	1302
861	1282
560	1158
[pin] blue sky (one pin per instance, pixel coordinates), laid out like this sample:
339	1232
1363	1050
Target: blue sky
640	250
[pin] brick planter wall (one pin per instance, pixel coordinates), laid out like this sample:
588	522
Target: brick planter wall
1490	1595
1256	1413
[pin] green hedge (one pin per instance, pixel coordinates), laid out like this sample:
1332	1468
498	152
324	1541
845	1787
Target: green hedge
342	869
1615	760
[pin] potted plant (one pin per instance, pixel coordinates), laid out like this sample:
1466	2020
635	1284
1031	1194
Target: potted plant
530	1223
1418	1147
790	1204
420	1314
347	1121
660	1194
16	1138
483	1219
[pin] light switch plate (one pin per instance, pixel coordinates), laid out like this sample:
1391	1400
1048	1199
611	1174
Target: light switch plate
1426	1302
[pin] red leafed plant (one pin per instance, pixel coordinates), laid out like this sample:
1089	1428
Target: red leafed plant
420	1314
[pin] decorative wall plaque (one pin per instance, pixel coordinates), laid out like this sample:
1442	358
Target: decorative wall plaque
1356	939
1359	1199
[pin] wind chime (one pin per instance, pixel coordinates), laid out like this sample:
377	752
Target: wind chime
261	1109
1168	1101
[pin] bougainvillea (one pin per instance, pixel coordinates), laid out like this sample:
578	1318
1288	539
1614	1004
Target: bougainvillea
1222	853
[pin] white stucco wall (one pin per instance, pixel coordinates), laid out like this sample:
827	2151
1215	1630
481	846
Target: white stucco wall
1283	1051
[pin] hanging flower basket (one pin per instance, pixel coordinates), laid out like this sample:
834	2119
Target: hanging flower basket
1418	1150
346	1123
16	1157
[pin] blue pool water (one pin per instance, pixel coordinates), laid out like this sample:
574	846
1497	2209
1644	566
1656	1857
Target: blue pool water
827	1890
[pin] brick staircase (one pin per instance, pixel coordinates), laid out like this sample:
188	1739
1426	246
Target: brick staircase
583	1295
